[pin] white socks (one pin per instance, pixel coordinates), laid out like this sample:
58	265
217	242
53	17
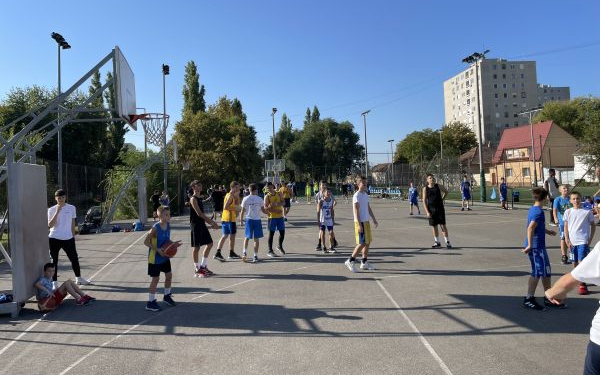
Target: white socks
151	297
167	291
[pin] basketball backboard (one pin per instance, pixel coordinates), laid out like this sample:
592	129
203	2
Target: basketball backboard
277	165
124	88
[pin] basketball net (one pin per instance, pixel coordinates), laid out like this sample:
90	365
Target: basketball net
155	125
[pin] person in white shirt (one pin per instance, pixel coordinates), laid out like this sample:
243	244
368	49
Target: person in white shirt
579	232
362	229
588	271
252	205
61	222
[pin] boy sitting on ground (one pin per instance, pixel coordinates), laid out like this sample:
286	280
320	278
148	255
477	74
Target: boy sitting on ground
49	299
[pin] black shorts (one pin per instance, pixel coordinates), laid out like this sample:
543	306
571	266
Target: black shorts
287	202
154	270
438	216
200	235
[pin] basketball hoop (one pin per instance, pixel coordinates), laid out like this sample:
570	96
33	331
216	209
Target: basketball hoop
155	125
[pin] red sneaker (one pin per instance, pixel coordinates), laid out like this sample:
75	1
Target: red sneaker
89	298
208	272
583	290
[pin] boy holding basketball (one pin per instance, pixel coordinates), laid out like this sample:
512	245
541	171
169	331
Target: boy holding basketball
158	260
49	299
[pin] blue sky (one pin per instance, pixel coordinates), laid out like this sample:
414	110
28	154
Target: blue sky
344	56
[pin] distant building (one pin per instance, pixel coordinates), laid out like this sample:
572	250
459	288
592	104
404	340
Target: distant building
554	148
469	162
507	88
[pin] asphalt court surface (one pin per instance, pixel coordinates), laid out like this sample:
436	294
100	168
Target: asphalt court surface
423	311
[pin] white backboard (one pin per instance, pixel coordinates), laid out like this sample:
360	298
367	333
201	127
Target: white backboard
277	165
124	88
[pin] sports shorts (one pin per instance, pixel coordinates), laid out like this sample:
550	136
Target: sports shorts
228	227
200	235
578	252
52	302
540	264
254	229
276	224
154	270
365	237
287	202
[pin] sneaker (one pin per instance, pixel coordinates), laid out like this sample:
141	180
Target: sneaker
255	259
89	298
436	245
469	209
318	248
81	281
233	255
531	303
271	254
218	256
325	250
332	250
367	266
82	301
411	214
448	245
335	243
583	290
168	299
208	272
280	249
153	306
200	272
547	303
244	256
462	209
350	265
564	259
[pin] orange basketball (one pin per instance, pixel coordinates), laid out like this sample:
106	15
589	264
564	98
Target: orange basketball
170	248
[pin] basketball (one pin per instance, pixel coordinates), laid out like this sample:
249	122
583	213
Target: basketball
170	248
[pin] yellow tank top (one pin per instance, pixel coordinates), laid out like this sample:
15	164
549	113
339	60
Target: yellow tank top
285	192
229	212
275	199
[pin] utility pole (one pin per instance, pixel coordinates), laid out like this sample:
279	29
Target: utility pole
273	139
364	115
530	113
165	71
62	44
391	141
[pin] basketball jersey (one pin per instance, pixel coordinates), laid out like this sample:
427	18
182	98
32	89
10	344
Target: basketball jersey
285	192
326	208
275	199
229	212
194	218
162	236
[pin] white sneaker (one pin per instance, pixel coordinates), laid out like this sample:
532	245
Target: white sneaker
82	281
350	265
367	266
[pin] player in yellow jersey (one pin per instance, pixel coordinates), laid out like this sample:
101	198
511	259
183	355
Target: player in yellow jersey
286	192
231	207
274	205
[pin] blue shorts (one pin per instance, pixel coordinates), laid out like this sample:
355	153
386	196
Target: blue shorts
540	264
414	201
329	228
579	252
561	230
502	198
254	229
276	224
466	196
228	227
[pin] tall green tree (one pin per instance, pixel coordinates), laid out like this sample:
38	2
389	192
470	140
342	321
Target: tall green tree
193	93
307	117
457	138
571	115
316	115
419	145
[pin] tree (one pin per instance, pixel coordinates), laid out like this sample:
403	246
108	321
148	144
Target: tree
316	115
457	138
419	145
193	93
307	117
572	116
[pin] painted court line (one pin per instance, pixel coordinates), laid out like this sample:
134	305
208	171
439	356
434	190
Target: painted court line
38	321
416	330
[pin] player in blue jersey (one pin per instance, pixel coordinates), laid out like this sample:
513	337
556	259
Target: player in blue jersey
413	197
465	192
503	194
535	248
559	206
157	260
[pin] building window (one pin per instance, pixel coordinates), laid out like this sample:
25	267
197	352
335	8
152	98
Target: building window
506	125
514	86
495	85
516	123
512	66
497	115
526	172
504	85
503	76
515	115
495	76
524	105
509	172
512	75
505	95
522	85
468	92
552	98
522	75
506	114
468	101
503	66
523	94
515	105
496	95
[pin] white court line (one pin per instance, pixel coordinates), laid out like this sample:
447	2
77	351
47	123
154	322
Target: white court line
20	336
416	330
96	349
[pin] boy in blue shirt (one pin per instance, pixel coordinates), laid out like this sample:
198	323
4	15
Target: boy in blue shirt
559	206
158	261
413	197
465	190
503	194
535	248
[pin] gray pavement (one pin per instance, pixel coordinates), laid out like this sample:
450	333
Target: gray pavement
423	311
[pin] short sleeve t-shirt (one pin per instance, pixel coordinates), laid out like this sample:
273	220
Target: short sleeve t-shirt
539	235
552	187
579	221
362	198
252	204
46	283
465	187
588	271
62	229
561	205
413	194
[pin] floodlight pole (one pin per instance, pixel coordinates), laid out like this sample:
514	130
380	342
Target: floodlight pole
274	155
530	113
165	71
60	43
391	141
364	115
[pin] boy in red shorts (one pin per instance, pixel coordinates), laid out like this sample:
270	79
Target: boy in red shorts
49	299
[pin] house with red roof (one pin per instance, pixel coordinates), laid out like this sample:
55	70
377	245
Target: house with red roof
514	160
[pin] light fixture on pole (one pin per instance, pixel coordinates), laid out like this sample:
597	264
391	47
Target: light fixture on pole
273	141
364	115
476	59
391	141
62	44
530	113
165	72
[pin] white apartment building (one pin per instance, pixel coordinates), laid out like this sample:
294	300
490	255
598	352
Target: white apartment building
506	88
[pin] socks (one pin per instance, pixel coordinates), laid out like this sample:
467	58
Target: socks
151	297
435	239
446	239
203	262
167	291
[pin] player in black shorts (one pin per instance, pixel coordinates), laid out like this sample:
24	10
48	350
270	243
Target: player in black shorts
433	196
199	231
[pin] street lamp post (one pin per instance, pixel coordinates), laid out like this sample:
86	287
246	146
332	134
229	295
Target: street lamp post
165	72
530	113
62	44
476	58
364	115
391	141
273	141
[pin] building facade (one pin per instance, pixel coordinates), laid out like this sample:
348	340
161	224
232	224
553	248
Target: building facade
506	88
